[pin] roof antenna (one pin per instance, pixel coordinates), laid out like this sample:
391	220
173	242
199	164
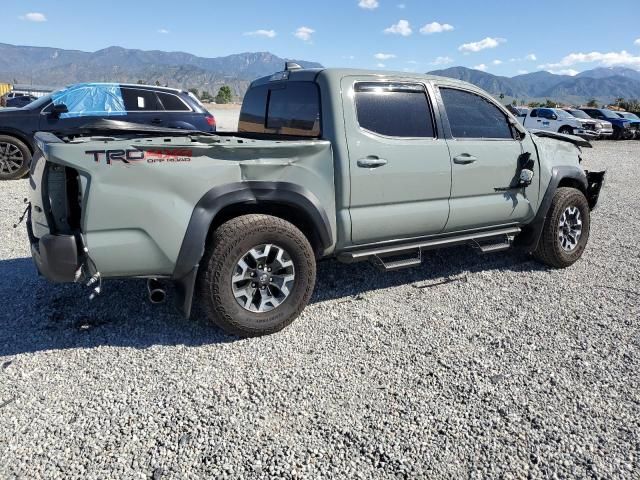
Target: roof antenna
292	66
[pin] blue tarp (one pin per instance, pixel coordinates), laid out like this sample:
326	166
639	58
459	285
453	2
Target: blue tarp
91	99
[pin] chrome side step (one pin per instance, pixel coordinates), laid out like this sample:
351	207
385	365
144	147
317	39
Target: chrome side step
500	240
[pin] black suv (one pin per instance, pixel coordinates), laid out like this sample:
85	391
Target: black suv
73	107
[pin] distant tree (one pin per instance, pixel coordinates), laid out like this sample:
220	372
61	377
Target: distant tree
140	82
550	104
593	103
502	96
515	102
619	101
157	83
205	96
534	104
224	95
195	91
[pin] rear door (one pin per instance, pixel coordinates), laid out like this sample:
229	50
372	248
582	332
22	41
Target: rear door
399	163
143	106
485	160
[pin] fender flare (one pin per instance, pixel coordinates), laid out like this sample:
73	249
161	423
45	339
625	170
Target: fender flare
28	140
239	193
531	233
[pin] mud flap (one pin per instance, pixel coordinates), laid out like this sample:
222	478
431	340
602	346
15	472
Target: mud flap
595	183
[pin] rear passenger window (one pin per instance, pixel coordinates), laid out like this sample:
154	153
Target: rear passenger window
472	116
172	103
288	108
139	100
394	110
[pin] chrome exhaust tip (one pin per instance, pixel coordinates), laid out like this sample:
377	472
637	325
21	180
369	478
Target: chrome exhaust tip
156	291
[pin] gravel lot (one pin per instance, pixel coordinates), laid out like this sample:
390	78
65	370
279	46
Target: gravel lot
467	367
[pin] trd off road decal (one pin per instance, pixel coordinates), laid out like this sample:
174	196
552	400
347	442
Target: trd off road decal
133	156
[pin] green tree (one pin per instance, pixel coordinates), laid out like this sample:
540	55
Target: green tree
501	96
157	83
515	102
140	82
550	104
224	95
593	103
205	96
534	104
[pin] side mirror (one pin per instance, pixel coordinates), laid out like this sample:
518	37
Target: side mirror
58	110
554	117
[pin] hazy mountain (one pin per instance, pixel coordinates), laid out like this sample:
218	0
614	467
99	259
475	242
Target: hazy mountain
603	84
58	67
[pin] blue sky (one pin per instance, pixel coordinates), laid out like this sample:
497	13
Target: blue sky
501	37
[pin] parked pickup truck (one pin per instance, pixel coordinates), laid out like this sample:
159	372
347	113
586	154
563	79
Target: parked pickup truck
346	164
558	120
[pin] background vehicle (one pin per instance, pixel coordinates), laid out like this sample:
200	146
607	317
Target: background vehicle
603	128
327	163
20	101
622	128
69	109
558	120
634	119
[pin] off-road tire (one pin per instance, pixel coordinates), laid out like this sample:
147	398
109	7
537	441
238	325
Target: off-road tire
228	244
26	158
549	249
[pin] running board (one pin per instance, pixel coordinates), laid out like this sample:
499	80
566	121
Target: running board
502	240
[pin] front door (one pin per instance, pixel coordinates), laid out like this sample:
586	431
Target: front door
399	164
485	161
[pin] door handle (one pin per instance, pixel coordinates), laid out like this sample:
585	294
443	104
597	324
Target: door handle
371	162
464	159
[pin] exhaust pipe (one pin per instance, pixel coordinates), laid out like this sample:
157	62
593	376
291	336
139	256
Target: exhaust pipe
156	291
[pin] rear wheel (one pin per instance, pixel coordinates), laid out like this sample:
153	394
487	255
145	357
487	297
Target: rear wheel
15	158
257	275
566	229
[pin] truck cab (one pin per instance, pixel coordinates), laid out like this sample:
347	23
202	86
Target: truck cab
558	120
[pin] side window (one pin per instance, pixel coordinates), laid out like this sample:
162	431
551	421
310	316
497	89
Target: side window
101	100
394	110
472	116
140	100
294	110
172	103
534	113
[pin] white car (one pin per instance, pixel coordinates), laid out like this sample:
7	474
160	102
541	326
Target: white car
603	128
557	120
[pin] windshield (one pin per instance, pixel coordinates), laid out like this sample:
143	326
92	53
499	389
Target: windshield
579	114
609	113
562	114
632	116
40	102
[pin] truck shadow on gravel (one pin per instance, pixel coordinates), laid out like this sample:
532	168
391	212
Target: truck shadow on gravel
38	316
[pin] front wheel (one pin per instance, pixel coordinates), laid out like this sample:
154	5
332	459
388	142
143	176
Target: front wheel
15	158
566	229
566	130
257	275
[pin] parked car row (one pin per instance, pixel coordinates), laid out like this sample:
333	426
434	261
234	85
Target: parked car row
16	100
68	110
589	123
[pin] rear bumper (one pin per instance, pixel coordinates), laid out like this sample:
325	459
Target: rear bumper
55	256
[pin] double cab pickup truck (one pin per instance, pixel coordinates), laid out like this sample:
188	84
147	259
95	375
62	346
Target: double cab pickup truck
326	163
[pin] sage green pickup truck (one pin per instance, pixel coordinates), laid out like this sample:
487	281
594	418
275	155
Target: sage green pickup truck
327	163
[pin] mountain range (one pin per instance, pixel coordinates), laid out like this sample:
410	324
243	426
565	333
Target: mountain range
57	67
602	84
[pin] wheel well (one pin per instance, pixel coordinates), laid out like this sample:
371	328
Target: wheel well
572	183
20	137
565	126
290	213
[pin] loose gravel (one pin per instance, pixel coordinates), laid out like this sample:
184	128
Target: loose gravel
469	366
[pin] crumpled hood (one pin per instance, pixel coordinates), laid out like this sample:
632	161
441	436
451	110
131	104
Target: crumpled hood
577	141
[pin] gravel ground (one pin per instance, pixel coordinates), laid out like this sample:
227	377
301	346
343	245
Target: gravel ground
467	367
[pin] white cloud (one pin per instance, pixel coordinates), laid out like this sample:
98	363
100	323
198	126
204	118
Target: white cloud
163	31
401	6
442	61
435	27
262	33
34	17
608	59
497	62
481	67
380	65
483	44
523	72
531	57
567	71
304	33
384	56
368	4
401	28
637	42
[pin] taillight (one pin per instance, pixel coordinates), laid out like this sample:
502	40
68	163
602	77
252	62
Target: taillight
211	120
